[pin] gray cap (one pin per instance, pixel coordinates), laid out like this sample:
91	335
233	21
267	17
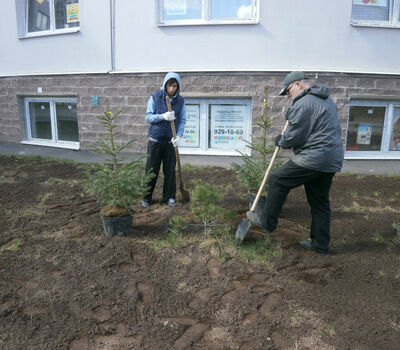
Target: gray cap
291	78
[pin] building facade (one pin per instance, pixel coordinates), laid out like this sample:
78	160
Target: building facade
60	59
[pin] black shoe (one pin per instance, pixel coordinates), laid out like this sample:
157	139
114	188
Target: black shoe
308	245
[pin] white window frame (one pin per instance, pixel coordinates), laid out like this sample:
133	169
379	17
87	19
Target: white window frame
23	17
206	16
385	152
54	142
204	126
393	22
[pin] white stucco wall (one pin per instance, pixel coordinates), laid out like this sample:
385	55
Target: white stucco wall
311	35
85	51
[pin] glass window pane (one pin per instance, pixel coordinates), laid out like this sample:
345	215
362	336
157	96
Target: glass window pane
234	9
39	113
372	10
191	135
365	128
395	138
38	15
67	13
227	126
67	122
182	9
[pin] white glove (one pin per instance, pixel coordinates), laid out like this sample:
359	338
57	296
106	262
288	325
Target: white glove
175	142
169	116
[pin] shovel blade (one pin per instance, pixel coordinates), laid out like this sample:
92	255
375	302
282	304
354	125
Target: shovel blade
242	230
185	194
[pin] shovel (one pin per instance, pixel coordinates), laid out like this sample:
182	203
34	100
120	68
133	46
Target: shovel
185	194
245	223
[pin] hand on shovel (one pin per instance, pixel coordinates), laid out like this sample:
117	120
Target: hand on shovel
175	141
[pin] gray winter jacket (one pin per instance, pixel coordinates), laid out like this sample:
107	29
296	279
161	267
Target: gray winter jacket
314	131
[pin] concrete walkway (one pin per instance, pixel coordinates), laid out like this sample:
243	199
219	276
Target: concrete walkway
349	166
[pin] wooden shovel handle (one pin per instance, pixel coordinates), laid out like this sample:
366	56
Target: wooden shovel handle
271	163
176	147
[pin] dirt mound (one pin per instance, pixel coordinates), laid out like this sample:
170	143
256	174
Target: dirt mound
65	285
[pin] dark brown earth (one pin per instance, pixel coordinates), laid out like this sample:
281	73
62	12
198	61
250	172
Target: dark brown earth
65	285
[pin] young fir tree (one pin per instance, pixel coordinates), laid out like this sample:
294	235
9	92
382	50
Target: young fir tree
252	171
116	184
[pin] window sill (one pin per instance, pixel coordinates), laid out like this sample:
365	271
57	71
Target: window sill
352	155
205	23
375	24
67	145
50	33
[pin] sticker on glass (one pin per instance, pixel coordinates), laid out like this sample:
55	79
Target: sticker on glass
176	7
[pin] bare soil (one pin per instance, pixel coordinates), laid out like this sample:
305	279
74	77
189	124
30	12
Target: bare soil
64	284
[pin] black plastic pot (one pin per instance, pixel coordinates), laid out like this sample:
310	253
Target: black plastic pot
261	201
117	226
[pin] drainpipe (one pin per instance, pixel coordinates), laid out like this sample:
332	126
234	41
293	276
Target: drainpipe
112	32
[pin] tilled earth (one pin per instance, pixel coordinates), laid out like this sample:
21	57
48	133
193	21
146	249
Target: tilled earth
65	285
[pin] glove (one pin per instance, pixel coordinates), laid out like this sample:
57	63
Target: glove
169	116
277	139
175	142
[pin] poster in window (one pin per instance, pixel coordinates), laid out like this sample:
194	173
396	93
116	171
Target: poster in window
383	3
395	139
176	7
191	135
364	134
228	125
72	13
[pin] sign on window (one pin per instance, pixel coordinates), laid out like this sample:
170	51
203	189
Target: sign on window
227	127
191	135
72	13
176	7
383	3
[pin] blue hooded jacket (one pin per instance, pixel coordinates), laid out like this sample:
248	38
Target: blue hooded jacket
160	129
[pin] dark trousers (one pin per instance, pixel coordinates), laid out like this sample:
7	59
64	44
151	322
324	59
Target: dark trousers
161	153
316	184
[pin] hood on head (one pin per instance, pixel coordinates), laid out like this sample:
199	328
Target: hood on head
169	76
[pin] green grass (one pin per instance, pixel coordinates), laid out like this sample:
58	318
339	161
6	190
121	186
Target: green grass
259	251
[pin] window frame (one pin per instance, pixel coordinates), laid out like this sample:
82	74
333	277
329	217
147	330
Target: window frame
393	22
206	16
204	125
52	18
385	152
54	142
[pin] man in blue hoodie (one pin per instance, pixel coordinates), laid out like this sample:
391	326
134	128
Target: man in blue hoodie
314	134
160	148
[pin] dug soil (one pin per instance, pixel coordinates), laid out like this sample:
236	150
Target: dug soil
64	284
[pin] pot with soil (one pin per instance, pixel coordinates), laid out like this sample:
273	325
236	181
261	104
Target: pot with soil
116	184
261	201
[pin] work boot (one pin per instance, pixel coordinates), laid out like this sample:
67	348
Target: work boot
308	245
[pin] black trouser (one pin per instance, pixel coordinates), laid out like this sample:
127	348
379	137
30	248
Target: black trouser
317	185
161	153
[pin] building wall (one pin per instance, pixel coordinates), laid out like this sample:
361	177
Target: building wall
130	93
310	35
85	51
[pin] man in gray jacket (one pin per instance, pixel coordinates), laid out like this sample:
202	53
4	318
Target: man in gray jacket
314	134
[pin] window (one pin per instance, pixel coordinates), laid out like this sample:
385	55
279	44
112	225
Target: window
51	16
216	126
186	12
373	129
384	13
52	122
